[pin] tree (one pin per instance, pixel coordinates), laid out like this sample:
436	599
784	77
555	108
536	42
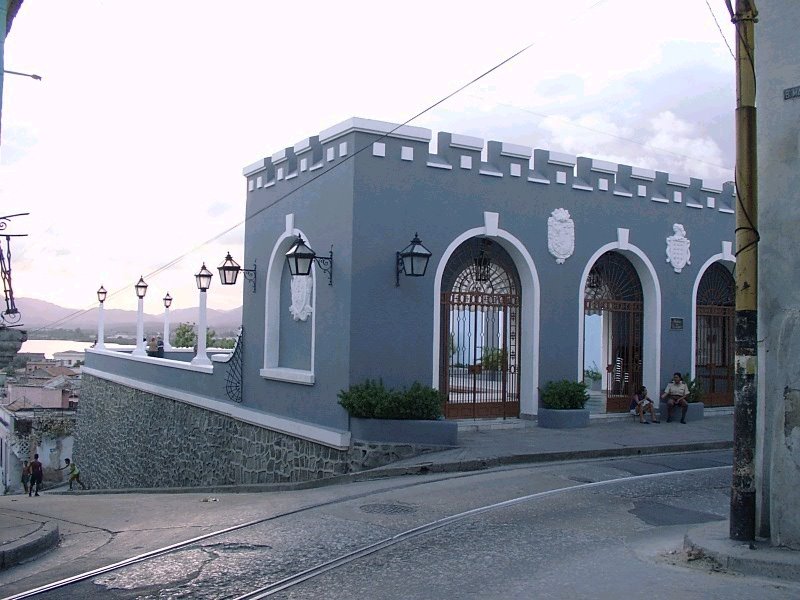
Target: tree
186	336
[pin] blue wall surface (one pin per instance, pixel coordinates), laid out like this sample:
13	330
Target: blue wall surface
370	205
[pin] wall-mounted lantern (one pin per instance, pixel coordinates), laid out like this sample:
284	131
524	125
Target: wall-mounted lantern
412	260
229	271
300	258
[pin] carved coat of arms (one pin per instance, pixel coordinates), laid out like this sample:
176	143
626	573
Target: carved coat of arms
560	235
301	297
678	253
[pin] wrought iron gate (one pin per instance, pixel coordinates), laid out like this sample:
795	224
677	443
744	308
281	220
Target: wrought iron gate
613	291
715	344
479	349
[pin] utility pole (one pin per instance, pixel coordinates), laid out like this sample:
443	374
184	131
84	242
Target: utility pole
743	489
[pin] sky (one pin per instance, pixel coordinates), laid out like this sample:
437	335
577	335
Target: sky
129	153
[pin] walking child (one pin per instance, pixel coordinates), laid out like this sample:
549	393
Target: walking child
26	475
74	473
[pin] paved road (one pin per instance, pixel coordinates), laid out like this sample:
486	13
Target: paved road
583	542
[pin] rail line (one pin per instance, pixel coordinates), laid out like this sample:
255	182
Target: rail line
352	556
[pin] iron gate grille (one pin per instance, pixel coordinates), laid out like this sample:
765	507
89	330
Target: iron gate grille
614	291
715	343
480	355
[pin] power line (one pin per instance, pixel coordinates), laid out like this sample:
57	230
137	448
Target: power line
600	131
176	260
711	10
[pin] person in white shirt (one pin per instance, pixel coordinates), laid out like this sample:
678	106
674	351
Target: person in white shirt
676	393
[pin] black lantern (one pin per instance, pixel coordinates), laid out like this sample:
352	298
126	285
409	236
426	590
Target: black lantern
141	288
300	258
167	300
229	271
101	294
203	278
483	265
412	260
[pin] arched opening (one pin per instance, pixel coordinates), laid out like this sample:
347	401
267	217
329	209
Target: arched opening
715	344
479	349
613	323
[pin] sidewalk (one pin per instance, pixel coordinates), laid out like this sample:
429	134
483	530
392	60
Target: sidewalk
488	444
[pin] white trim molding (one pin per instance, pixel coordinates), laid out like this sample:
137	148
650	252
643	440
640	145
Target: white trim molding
325	436
272	306
529	280
651	290
164	362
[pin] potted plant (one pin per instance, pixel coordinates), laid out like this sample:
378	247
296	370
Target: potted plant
563	405
593	377
407	416
493	362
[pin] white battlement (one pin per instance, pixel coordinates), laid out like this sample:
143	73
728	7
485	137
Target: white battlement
462	154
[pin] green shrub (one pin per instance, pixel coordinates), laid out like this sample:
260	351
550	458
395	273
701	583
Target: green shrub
695	389
564	395
371	400
593	373
494	359
361	400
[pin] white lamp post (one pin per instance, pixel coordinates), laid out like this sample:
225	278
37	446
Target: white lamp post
141	290
167	304
203	279
101	332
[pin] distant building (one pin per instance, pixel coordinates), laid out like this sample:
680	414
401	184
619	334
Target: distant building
37	416
68	358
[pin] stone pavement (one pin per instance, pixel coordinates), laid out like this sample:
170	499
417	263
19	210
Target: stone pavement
487	444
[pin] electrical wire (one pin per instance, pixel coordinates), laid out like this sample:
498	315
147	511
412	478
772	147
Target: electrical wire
176	260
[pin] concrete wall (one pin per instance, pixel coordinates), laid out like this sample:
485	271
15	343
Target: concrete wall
777	69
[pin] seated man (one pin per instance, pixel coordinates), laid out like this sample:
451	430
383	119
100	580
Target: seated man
641	403
676	393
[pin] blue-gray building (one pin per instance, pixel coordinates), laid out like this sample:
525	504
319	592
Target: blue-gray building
543	266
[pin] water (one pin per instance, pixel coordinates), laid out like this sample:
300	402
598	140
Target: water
51	346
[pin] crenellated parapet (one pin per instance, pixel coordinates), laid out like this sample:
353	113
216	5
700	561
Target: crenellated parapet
463	156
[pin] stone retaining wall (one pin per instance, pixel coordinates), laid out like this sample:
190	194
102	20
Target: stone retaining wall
126	438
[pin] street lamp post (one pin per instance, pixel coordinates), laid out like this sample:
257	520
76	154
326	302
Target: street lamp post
203	279
141	290
101	333
167	304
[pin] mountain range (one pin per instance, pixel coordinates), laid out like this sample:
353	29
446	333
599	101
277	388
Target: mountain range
39	314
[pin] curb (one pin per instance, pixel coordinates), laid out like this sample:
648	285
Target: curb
29	546
540	457
425	467
757	558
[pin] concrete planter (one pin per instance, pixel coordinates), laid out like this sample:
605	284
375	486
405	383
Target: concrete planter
563	419
405	431
695	412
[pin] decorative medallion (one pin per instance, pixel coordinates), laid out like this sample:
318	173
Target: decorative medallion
678	253
560	235
301	297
